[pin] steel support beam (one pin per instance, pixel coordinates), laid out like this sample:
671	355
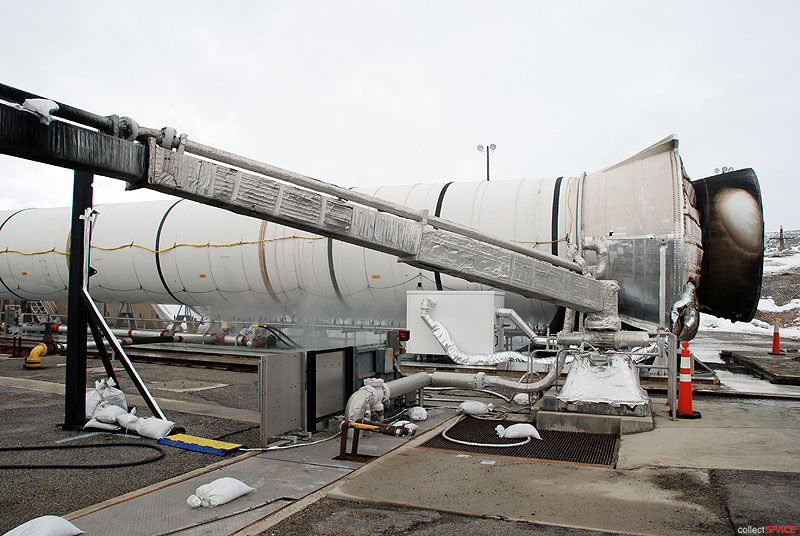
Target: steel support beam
70	146
77	312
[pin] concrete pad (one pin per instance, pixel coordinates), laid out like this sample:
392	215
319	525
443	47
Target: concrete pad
646	501
730	435
593	424
277	484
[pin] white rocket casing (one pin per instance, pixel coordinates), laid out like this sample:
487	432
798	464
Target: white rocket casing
184	252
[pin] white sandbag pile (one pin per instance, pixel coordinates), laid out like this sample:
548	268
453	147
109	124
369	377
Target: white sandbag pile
107	409
220	491
104	404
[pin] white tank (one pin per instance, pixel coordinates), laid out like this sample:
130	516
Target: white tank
250	268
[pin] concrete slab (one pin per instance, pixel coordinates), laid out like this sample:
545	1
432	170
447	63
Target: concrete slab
593	424
730	435
277	484
645	501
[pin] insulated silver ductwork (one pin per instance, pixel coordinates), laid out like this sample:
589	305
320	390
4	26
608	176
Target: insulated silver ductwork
451	348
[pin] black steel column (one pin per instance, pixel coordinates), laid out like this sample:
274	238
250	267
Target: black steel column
77	312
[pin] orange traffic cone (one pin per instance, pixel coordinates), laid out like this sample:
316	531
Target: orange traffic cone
776	340
685	387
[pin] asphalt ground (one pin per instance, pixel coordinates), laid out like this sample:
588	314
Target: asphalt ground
32	418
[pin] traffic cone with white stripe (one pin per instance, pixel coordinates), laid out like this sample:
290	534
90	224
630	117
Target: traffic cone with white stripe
685	387
776	340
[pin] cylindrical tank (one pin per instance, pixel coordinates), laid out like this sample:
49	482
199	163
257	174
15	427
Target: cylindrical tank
185	252
644	211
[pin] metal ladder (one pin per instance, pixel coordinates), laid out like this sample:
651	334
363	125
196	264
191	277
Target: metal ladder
44	311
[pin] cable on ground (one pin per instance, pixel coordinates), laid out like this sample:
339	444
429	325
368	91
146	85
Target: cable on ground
84	466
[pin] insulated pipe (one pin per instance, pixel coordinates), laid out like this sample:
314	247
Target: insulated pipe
599	247
369	396
604	339
449	345
541	385
512	315
684	316
406	384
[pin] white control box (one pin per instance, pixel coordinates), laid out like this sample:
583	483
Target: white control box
469	317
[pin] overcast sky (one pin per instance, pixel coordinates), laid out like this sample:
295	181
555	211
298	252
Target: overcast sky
363	93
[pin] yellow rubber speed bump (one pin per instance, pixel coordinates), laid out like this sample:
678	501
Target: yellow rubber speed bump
199	444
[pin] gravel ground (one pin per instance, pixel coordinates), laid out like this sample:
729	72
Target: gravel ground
32	418
240	388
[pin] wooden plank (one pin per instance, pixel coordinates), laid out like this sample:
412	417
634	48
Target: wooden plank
776	369
70	146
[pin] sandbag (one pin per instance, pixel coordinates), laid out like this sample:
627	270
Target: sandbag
517	431
108	413
128	420
153	427
408	424
45	526
473	407
97	425
524	399
93	398
220	491
114	396
417	413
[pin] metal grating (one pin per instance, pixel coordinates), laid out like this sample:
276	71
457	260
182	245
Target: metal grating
569	447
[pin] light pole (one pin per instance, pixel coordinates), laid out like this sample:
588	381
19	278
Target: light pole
489	149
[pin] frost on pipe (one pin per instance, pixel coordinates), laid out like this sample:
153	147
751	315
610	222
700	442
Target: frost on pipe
453	352
615	382
732	222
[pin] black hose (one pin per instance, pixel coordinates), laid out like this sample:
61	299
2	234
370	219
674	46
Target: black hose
284	338
92	466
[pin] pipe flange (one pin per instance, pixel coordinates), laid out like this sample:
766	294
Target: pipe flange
169	138
113	125
129	128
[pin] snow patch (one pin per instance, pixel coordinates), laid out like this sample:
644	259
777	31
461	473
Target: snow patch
768	305
783	262
708	322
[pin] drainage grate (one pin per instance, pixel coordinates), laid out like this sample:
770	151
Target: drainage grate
570	447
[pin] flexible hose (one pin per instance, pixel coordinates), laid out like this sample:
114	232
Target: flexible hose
472	444
89	466
281	447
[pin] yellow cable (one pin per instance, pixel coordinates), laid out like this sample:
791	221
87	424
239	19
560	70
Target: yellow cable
175	246
569	231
